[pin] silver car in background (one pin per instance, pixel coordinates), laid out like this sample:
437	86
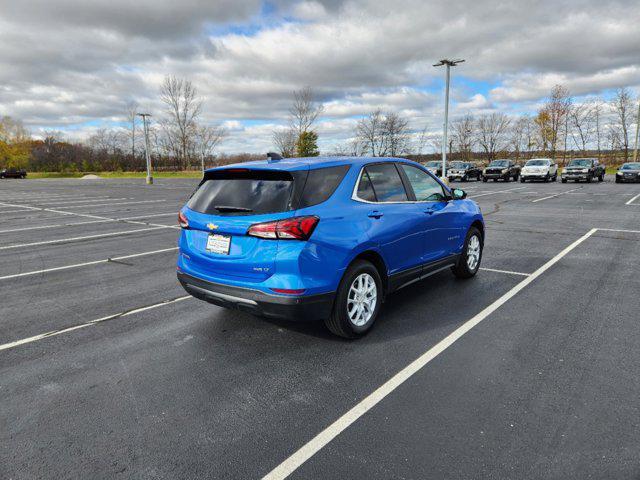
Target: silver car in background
539	169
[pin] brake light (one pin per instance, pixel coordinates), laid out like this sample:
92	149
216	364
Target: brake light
296	228
182	220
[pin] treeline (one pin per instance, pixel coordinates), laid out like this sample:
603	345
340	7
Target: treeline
561	129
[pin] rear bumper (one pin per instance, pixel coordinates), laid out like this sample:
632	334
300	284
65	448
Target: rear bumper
290	307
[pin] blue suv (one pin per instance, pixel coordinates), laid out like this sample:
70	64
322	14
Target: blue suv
323	238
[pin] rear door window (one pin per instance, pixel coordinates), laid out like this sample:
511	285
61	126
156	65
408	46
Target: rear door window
243	192
386	182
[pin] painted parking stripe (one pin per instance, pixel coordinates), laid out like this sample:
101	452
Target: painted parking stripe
292	463
509	272
110	204
89	222
85	237
54	333
630	202
84	200
554	196
499	191
86	264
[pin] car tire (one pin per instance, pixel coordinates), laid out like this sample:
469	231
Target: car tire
617	180
601	177
546	179
555	178
589	178
464	178
465	266
340	322
485	179
564	180
522	180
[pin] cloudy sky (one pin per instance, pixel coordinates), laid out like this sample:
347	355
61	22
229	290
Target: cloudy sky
72	65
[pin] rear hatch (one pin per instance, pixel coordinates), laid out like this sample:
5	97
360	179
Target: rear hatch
221	211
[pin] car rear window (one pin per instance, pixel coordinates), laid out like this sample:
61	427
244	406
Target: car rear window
243	192
386	183
320	185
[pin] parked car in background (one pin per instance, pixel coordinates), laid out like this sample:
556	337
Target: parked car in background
539	169
13	173
434	167
501	170
628	172
323	238
583	169
463	171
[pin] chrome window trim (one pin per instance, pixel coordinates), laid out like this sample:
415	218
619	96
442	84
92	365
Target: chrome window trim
355	197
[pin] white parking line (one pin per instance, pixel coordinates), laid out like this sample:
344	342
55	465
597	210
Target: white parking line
499	191
84	200
85	237
509	272
630	202
292	463
618	230
86	264
54	333
556	195
91	222
86	215
110	204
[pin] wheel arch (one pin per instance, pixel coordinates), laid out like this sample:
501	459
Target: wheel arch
480	226
376	259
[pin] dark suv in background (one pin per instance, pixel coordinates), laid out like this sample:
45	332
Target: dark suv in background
583	169
463	171
501	170
13	173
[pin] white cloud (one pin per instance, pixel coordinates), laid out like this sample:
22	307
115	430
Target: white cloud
67	62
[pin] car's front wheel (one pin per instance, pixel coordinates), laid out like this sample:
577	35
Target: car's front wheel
357	301
469	261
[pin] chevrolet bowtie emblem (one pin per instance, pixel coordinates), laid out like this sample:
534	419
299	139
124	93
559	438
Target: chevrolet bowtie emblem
212	226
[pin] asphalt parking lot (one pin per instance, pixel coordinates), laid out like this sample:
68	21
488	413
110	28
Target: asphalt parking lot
108	369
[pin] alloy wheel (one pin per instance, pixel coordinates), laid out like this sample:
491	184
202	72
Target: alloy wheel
362	299
473	252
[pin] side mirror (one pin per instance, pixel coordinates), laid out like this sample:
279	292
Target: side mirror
458	194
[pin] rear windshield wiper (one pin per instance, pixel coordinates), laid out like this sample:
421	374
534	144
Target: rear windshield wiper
227	208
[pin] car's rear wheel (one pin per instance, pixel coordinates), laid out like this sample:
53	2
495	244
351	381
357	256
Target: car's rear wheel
485	179
522	180
601	177
357	301
564	180
469	261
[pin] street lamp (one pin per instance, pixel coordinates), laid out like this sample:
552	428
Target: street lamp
147	153
448	64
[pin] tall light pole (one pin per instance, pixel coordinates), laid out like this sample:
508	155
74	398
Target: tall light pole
147	153
448	64
635	153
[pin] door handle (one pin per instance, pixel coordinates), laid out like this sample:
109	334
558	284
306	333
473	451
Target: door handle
375	214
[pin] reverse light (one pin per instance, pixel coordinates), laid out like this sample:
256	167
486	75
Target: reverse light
296	228
182	220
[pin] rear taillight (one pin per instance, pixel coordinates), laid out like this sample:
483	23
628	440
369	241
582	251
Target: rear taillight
296	228
182	220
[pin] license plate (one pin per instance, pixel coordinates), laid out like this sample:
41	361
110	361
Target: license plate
218	244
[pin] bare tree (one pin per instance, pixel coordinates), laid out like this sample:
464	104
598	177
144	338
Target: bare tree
131	110
395	136
183	107
493	132
552	117
305	111
462	136
369	132
582	120
285	141
207	139
623	110
522	135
